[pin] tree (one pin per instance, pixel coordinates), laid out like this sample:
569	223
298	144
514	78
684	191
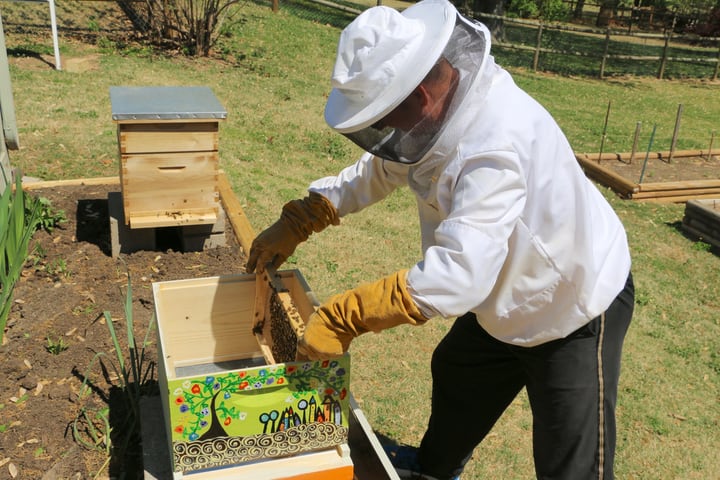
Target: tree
492	7
607	12
578	11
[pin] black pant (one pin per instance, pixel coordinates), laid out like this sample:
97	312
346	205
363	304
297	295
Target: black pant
476	377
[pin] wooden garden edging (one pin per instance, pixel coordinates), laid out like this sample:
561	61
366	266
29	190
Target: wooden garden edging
233	210
659	192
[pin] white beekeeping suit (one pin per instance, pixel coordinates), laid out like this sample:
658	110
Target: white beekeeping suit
508	218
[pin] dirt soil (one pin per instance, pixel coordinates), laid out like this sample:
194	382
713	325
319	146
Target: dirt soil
57	328
663	170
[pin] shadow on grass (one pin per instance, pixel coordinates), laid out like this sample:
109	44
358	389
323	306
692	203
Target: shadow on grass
699	242
20	52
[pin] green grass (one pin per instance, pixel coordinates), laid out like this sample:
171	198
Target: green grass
273	80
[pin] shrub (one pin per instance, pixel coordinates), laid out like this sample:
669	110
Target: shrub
190	25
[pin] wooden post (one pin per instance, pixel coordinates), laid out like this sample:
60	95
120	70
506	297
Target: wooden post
602	140
717	66
663	60
275	6
638	125
712	140
647	154
605	52
536	57
675	132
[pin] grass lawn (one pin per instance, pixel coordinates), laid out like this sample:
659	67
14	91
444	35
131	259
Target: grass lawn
271	72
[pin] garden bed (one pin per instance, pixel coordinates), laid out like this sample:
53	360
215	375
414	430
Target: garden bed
658	177
57	327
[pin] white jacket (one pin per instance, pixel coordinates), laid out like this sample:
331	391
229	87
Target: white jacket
512	230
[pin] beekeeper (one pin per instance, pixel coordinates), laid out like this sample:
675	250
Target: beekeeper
517	243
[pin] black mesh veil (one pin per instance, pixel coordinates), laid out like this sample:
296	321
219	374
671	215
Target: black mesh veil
464	52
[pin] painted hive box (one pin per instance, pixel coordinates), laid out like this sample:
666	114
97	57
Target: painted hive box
223	403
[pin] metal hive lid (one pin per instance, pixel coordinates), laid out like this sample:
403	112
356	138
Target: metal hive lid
165	103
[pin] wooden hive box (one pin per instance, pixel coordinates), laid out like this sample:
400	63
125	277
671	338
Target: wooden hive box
168	148
225	407
702	220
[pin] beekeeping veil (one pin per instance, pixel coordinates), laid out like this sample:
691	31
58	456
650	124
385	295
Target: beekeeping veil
383	55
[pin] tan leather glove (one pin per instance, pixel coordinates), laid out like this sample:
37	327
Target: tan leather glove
374	306
298	220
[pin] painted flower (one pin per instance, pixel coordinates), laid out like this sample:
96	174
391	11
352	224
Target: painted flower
226	395
195	389
205	412
333	364
343	394
203	424
227	421
186	384
280	381
325	363
262	373
291	369
216	386
242	415
184	408
269	381
329	391
243	374
179	429
257	384
243	385
179	400
194	436
209	380
340	372
178	391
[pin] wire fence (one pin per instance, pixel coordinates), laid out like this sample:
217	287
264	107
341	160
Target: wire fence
562	48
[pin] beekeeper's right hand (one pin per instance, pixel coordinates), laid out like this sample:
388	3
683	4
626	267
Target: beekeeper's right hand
298	220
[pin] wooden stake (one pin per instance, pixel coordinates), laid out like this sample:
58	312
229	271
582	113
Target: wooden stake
647	154
638	125
602	140
712	139
675	132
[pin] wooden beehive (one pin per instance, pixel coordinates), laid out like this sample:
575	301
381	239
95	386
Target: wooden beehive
225	406
168	148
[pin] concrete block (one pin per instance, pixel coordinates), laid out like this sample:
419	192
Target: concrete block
123	239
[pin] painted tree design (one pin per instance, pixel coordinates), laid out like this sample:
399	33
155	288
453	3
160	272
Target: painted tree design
207	400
